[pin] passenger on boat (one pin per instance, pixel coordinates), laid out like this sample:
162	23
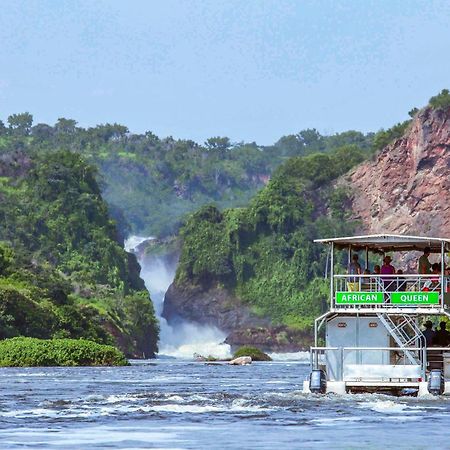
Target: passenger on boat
354	268
401	281
375	282
366	281
424	266
447	280
388	269
429	333
442	337
436	270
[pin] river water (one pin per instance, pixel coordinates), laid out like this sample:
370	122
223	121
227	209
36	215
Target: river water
190	405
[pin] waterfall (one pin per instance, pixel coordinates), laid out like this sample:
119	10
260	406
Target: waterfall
185	338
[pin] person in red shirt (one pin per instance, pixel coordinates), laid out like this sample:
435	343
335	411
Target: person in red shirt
388	269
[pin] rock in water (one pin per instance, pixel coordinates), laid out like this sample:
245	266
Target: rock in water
241	361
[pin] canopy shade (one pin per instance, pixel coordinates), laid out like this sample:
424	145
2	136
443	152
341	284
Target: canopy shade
389	243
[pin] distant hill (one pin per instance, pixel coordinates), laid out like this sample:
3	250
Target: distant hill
152	183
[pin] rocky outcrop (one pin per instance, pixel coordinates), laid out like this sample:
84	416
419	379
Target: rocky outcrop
214	306
241	361
218	307
270	339
406	189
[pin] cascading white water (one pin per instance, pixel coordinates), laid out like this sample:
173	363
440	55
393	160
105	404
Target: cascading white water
186	338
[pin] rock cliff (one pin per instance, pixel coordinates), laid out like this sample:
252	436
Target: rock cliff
218	307
406	189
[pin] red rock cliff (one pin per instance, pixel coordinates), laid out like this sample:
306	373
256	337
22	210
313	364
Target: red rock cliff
407	188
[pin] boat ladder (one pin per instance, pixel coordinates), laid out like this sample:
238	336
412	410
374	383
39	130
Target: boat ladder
405	333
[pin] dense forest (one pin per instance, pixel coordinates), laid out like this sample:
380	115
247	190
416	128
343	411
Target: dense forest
63	271
151	184
264	253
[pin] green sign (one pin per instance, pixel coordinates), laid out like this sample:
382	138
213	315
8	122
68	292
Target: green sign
415	298
359	298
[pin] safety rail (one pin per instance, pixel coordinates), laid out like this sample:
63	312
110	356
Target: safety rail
368	363
390	291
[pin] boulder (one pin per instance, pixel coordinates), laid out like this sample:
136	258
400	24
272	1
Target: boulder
241	361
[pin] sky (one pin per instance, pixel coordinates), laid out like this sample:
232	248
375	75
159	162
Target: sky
250	70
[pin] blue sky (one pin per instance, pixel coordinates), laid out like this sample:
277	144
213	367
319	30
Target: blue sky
250	70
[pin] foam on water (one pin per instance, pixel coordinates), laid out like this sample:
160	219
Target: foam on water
303	357
391	407
332	421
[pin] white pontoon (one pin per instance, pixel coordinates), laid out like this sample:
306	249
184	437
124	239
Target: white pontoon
373	339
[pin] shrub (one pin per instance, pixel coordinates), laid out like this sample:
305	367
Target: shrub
253	352
441	101
30	352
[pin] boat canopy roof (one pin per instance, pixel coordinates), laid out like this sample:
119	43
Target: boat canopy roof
382	243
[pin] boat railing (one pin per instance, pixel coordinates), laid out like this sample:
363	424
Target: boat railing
390	291
371	363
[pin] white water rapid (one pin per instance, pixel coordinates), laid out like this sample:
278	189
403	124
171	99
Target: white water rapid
186	338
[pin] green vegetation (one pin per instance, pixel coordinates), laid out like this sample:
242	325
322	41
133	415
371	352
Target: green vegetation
152	183
264	253
441	101
63	271
384	137
30	352
255	353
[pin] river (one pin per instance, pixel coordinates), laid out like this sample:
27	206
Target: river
175	404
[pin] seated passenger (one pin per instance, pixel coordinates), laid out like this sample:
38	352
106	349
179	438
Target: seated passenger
401	281
429	333
433	284
436	270
366	281
442	337
447	279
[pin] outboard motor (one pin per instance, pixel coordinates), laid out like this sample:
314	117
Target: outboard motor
318	382
436	383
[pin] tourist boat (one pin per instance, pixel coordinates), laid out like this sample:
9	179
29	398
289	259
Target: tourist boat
372	329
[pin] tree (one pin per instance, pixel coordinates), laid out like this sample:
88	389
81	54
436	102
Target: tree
6	257
108	132
20	124
67	126
312	139
218	143
42	131
290	145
